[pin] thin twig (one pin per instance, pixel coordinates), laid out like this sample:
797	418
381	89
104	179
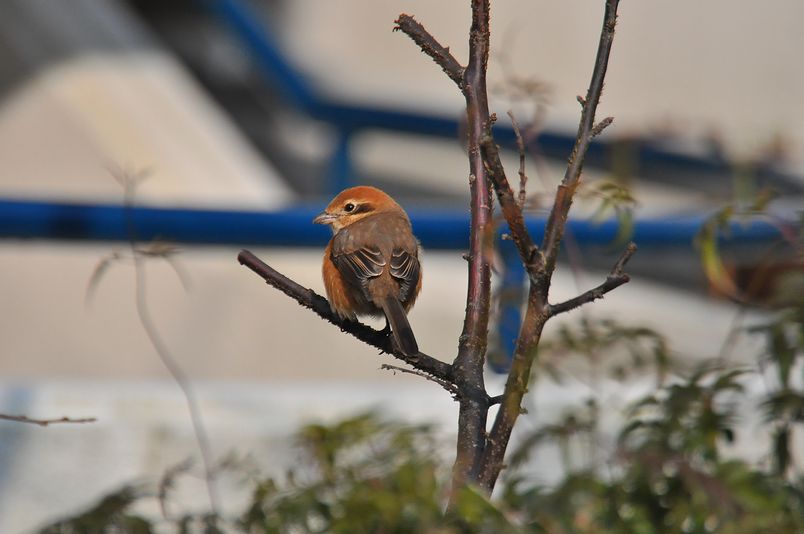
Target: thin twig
440	54
46	422
312	300
181	380
523	178
615	279
443	383
556	222
130	181
508	203
598	128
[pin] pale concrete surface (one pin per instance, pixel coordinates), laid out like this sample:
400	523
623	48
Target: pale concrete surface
62	131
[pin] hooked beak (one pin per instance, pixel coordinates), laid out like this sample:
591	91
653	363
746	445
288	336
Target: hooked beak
324	218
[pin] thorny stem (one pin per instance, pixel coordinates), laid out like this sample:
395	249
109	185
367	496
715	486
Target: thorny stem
443	383
440	54
587	130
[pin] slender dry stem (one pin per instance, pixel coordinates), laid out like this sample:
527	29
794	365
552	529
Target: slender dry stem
47	422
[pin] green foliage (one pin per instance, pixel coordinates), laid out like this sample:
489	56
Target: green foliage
613	199
110	515
746	206
364	475
783	407
668	474
646	348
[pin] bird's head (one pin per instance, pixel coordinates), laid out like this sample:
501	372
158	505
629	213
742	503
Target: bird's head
353	204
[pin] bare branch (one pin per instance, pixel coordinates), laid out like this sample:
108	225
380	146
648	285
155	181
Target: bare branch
130	180
600	126
468	365
449	386
615	279
508	203
46	422
520	144
179	376
586	132
440	54
312	300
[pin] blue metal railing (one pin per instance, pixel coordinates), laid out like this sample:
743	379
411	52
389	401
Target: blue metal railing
292	226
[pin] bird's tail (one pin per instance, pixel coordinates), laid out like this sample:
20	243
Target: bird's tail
400	327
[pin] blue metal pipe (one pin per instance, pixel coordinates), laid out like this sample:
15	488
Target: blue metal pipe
292	226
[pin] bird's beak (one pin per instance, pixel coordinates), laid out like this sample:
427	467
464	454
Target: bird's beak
324	218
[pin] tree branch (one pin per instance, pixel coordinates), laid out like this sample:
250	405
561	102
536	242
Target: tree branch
615	279
587	130
312	300
46	422
440	54
468	365
449	386
541	270
523	178
508	202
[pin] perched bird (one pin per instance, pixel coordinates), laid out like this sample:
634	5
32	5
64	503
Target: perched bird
371	264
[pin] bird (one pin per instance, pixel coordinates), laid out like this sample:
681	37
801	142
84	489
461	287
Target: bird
371	264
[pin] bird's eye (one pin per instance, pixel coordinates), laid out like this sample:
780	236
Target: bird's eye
349	207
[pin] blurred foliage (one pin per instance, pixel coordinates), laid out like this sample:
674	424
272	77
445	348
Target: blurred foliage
646	349
110	514
613	199
747	205
669	470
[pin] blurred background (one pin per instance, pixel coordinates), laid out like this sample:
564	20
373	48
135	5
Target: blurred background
243	118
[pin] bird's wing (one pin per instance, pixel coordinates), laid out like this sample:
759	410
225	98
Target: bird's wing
405	268
360	265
